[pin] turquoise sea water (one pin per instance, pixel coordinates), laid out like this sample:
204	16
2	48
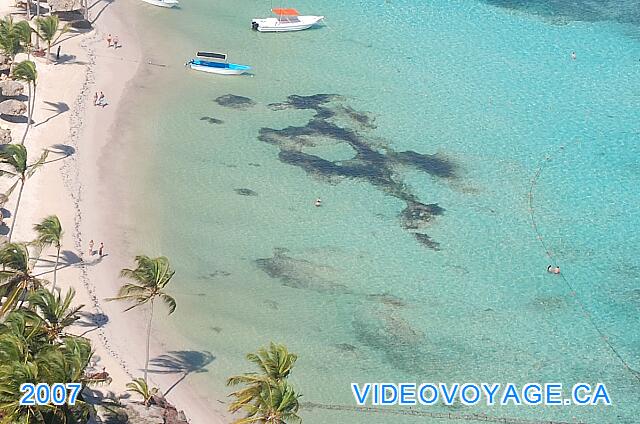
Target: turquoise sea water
467	105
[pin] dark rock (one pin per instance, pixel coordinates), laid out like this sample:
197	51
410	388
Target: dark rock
425	240
235	102
245	192
211	120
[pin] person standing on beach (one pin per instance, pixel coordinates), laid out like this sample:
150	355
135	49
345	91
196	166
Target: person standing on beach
101	250
109	40
95	99
115	41
101	100
91	247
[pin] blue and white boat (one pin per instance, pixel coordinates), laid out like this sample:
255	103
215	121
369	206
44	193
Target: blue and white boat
216	63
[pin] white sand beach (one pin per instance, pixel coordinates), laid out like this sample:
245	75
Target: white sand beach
82	187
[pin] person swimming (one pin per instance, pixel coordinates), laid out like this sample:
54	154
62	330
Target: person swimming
553	269
318	202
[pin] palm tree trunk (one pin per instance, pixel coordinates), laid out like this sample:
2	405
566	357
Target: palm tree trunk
146	360
55	269
29	110
15	212
33	103
37	16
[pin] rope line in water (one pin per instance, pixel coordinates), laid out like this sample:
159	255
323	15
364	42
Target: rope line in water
436	415
551	256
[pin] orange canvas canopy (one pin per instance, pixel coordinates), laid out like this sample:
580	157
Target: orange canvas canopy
287	12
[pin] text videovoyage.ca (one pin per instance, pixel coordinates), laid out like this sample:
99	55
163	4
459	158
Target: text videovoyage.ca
491	394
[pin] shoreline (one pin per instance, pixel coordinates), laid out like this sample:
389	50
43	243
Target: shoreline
84	190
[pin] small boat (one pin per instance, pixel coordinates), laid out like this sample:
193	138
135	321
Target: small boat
285	20
163	3
216	63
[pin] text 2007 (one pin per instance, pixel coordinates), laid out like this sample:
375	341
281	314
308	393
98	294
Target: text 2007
45	394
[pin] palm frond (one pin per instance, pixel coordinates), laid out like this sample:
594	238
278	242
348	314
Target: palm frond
31	169
49	231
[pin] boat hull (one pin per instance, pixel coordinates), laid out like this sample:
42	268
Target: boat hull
276	25
166	3
241	69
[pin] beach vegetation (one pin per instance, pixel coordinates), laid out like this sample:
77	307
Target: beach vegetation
49	232
266	397
16	278
29	355
140	386
13	158
54	311
10	37
24	32
26	71
147	284
49	30
277	404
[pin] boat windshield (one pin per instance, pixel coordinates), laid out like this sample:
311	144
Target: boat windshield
286	19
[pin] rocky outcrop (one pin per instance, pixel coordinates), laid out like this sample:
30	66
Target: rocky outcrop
125	412
140	414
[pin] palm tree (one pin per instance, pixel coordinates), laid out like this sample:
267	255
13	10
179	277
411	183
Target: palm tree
275	366
150	278
16	278
24	32
15	156
50	234
277	403
10	38
28	356
56	313
26	71
48	29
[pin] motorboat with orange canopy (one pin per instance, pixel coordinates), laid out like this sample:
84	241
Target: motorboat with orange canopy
285	19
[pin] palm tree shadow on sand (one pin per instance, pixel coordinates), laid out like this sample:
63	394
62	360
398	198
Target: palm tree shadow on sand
183	362
91	320
57	107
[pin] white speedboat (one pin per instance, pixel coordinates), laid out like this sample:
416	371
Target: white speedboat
285	20
216	63
163	3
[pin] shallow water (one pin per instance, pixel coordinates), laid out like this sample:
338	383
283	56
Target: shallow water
449	109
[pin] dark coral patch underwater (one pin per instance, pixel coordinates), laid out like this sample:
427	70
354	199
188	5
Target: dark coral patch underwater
300	273
235	102
245	192
373	161
212	120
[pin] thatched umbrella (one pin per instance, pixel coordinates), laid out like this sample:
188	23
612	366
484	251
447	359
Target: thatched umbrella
12	107
3	199
11	88
5	136
65	5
